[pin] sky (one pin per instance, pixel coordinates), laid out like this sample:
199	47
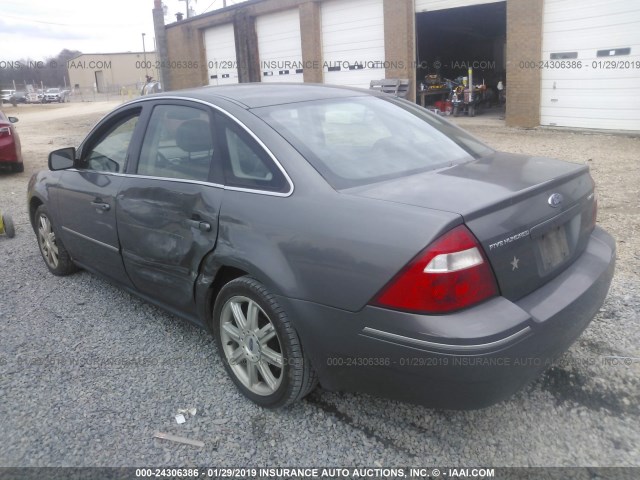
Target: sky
38	29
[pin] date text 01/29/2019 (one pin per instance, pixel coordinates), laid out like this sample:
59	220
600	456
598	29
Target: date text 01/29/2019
316	472
386	361
580	65
184	65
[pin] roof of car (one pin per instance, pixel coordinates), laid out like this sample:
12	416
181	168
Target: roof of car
254	95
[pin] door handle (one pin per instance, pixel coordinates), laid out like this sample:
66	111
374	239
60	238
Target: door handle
101	206
200	225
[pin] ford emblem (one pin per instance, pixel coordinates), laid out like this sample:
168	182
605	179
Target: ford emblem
555	200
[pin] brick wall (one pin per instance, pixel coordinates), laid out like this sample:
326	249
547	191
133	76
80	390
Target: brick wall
311	32
400	42
524	43
185	40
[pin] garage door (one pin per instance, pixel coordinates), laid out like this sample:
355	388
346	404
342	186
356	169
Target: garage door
220	46
280	46
353	42
431	5
597	85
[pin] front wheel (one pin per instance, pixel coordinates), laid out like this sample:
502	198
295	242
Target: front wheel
55	256
259	347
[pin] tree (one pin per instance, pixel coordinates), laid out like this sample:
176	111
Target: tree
50	72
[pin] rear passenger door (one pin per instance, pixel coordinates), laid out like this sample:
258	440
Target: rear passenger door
168	205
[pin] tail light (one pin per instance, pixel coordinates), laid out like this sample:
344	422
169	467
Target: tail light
450	274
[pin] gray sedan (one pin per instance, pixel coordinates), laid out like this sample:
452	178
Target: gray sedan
334	236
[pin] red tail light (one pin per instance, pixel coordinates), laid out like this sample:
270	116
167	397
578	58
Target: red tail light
450	274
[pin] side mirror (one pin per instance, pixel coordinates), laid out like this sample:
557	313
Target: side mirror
13	119
62	159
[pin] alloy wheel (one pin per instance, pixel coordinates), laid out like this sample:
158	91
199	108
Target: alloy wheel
251	345
47	242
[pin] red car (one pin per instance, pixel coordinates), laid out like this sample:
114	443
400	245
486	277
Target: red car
10	151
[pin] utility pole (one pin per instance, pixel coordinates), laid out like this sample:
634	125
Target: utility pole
187	2
144	52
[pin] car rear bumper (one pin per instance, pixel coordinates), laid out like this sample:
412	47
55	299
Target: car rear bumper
469	359
9	153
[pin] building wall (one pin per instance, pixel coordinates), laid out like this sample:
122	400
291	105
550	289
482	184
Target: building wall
187	56
524	43
118	70
400	41
184	40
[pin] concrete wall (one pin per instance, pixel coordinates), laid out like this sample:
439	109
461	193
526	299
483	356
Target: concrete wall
118	70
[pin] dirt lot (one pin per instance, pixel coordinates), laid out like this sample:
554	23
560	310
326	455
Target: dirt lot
68	399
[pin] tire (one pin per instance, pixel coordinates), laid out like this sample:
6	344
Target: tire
9	229
53	252
18	167
261	351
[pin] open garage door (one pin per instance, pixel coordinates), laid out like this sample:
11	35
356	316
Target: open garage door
280	46
595	46
220	47
431	5
450	40
353	42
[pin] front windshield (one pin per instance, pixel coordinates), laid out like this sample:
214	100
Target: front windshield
362	140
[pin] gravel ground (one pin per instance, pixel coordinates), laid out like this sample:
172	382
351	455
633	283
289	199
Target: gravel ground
89	373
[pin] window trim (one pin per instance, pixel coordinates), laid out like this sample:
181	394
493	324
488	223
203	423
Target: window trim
213	164
103	128
233	118
224	125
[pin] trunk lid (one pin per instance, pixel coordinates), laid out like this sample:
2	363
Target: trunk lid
532	215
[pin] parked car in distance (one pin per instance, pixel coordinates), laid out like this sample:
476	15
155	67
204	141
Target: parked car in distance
10	148
55	95
35	96
333	235
18	97
5	95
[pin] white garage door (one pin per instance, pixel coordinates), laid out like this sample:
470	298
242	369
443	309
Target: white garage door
280	46
601	87
353	42
431	5
220	46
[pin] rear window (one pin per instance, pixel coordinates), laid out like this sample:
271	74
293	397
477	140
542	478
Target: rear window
362	140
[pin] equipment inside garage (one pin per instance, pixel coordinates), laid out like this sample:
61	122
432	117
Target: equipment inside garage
451	41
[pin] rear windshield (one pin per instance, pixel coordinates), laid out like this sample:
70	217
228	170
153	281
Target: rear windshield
361	140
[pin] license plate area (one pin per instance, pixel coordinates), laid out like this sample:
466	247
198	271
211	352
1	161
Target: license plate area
554	248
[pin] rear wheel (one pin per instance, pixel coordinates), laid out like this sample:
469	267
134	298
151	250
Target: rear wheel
259	347
55	256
